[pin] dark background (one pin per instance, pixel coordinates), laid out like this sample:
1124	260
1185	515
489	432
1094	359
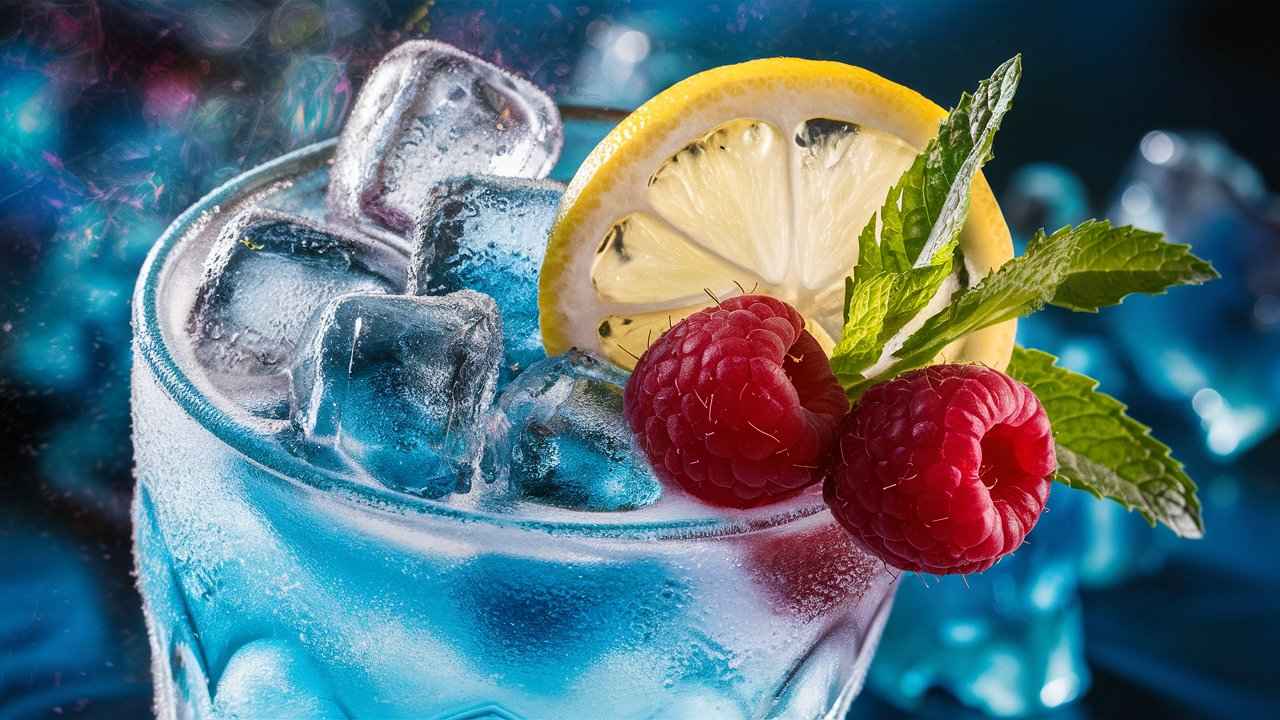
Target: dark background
114	116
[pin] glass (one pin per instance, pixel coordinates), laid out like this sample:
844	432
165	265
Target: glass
276	585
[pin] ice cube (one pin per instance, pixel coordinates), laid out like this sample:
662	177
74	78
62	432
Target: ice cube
565	441
266	275
401	385
489	234
428	112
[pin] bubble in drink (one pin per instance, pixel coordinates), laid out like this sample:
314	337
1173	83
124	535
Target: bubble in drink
402	385
428	112
489	234
266	275
566	442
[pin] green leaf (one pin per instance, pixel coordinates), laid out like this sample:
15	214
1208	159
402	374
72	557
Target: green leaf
923	213
913	235
1109	264
893	253
1020	287
1103	450
867	301
1077	259
869	259
876	307
912	291
935	190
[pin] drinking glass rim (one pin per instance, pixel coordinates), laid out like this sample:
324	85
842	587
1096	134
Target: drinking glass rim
150	343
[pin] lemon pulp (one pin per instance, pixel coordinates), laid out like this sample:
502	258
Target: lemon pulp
751	178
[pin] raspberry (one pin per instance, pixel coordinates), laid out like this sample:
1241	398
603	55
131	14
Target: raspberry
807	574
944	469
736	403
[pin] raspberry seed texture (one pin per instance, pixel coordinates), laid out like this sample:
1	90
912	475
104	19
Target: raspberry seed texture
736	403
942	470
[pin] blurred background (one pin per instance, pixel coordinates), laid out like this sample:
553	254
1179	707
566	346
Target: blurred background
116	115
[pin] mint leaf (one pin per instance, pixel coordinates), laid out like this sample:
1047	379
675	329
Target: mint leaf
1073	261
876	307
919	225
912	291
923	213
1019	287
935	190
887	252
1103	450
869	259
1109	264
867	302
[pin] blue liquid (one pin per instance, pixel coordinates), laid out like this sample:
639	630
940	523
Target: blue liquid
279	582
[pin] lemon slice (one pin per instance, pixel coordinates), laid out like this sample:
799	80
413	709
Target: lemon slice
755	177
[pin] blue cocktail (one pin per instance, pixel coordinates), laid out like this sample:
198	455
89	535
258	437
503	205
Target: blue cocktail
363	493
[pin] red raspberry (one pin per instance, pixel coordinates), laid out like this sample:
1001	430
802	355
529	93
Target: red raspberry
944	469
809	573
736	403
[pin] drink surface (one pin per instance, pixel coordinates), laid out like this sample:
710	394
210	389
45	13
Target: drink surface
280	578
233	337
363	492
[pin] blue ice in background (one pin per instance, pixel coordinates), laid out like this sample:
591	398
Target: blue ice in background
1007	642
1010	642
1212	354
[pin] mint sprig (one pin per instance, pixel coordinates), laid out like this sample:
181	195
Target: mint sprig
866	305
925	210
1073	267
902	266
1108	264
909	248
876	308
1104	451
933	217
